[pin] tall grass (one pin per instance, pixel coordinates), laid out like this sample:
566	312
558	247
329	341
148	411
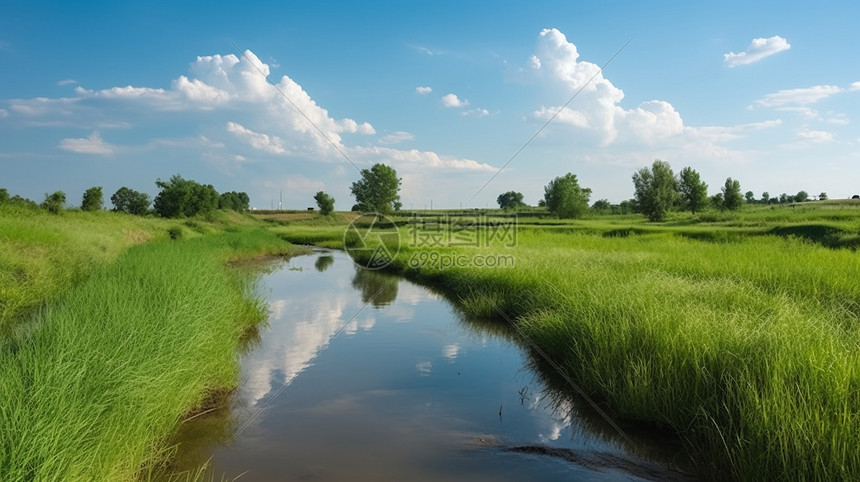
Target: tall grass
95	390
747	349
746	344
42	255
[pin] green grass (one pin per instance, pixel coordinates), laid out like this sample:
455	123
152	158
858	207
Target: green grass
108	367
738	331
42	255
741	334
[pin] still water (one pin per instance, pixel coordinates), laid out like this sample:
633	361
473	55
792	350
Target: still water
360	375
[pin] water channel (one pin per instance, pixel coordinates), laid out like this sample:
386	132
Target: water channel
360	375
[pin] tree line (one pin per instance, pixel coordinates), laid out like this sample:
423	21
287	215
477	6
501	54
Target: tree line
177	197
657	192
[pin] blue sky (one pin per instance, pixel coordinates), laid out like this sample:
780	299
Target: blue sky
120	94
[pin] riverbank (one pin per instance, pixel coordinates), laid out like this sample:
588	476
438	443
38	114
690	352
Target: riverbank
739	333
114	342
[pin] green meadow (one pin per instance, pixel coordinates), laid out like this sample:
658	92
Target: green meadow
114	334
740	332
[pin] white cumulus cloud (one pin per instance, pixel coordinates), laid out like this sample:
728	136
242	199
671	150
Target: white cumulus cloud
451	100
93	144
423	90
597	108
259	141
200	92
757	50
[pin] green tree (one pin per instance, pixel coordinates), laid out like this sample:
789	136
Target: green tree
237	201
750	197
785	198
23	202
655	190
601	206
692	190
625	207
717	201
510	200
801	197
53	203
377	190
93	199
822	196
565	198
765	197
4	195
184	197
325	203
732	198
130	201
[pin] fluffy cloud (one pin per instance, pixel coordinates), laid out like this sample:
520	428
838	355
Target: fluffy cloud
451	100
414	159
232	91
423	90
757	50
260	142
94	144
652	121
597	107
200	93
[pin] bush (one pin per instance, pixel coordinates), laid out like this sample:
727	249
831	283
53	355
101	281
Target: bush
175	232
184	198
130	201
53	203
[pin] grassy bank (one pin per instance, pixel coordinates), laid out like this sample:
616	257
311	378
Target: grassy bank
96	387
43	255
744	339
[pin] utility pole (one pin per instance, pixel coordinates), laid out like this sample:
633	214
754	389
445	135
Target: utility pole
281	201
